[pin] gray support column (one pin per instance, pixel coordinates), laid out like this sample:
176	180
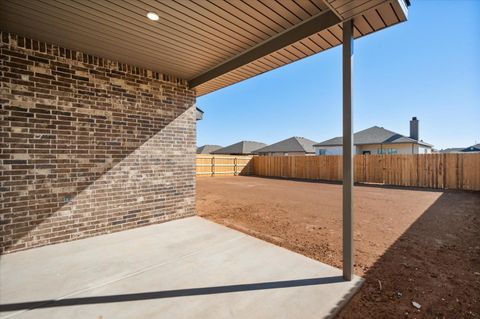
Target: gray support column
347	151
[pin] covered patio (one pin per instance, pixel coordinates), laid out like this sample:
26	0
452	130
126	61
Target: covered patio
99	117
188	268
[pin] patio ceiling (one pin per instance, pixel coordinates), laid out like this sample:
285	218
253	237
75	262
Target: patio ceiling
212	44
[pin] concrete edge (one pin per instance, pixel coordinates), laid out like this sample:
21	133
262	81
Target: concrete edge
347	297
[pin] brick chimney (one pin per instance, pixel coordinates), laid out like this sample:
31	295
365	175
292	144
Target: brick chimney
414	128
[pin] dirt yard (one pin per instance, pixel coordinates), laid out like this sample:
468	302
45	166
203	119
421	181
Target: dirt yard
411	245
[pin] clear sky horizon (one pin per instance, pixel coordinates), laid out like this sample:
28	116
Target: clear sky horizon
428	67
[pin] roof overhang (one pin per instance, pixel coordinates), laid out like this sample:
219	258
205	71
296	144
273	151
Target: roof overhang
211	44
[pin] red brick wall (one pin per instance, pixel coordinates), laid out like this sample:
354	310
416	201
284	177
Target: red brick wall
89	146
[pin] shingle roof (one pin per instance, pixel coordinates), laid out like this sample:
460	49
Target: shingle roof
243	147
373	135
452	150
208	149
473	148
292	144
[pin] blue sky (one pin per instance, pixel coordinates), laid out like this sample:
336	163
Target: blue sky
428	67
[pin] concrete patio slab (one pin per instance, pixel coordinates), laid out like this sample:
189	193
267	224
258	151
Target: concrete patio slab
188	268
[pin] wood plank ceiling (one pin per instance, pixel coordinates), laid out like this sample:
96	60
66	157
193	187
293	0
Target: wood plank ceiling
191	37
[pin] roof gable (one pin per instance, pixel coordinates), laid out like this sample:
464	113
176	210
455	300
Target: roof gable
207	149
292	144
373	135
242	147
473	148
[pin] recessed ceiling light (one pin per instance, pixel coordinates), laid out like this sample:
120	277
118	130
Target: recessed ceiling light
153	16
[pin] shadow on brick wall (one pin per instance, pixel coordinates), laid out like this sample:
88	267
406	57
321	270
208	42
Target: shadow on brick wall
88	145
84	175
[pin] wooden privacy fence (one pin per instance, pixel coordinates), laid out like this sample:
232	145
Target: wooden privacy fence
224	165
448	171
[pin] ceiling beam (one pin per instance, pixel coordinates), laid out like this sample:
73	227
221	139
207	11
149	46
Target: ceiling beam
298	32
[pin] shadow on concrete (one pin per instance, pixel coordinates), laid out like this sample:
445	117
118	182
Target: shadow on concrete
434	263
170	293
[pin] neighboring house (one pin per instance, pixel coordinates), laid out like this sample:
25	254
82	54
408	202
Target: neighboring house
473	148
377	140
452	150
291	146
240	148
208	149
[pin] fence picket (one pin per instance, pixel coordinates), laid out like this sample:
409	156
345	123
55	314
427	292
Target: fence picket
213	165
445	171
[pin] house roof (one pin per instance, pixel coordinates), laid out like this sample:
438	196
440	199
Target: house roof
208	149
452	150
292	144
211	44
243	147
374	135
473	148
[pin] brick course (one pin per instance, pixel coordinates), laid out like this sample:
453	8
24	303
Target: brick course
88	145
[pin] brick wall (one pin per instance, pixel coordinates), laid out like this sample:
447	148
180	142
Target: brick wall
89	146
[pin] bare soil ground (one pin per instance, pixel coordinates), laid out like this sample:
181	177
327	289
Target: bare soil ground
410	244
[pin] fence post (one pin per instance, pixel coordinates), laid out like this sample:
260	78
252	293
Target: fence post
213	165
460	175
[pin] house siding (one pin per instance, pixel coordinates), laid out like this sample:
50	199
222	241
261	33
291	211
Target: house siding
401	148
423	150
331	150
89	146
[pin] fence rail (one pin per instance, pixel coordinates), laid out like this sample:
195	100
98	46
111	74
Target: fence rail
448	171
223	165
